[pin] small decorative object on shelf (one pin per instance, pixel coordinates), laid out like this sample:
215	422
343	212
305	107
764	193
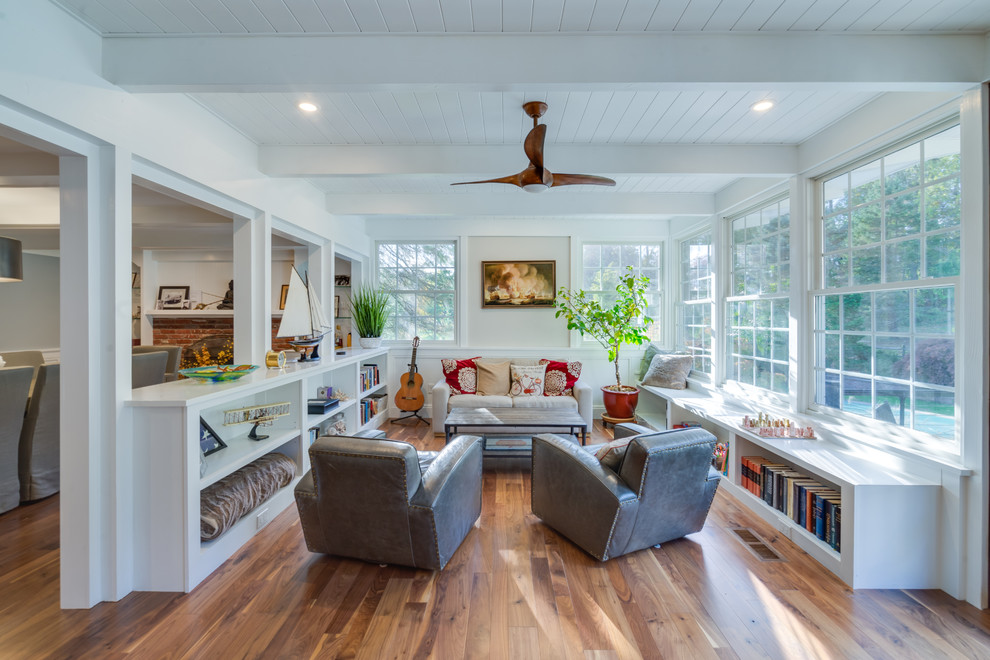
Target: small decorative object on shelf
766	426
340	396
321	406
275	359
219	373
209	441
324	392
262	414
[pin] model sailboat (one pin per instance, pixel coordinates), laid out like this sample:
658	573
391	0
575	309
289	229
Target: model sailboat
303	318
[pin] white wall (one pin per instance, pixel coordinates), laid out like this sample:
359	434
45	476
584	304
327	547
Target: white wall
505	326
29	310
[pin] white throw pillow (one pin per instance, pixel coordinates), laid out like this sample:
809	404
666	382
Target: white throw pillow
527	381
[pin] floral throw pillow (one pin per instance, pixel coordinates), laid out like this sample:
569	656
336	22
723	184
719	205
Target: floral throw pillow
527	381
561	377
461	375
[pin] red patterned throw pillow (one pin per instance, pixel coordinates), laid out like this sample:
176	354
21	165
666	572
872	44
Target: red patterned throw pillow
560	377
461	375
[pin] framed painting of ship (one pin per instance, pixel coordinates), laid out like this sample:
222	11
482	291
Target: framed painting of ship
518	284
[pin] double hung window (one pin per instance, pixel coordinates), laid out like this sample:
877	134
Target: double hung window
420	279
885	321
604	263
694	309
758	308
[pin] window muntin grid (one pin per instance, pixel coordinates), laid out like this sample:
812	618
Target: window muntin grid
694	309
883	351
604	263
420	278
758	310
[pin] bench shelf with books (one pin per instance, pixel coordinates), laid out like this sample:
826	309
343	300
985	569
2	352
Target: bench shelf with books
885	534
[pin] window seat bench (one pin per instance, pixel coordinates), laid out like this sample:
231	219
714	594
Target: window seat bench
890	514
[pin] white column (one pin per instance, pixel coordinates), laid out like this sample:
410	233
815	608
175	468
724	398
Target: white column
252	288
320	263
973	317
95	357
801	342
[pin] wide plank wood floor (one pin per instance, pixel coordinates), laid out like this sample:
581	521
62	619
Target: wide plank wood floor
515	589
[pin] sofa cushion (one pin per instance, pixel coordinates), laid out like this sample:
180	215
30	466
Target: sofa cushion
493	377
527	381
461	375
669	371
546	402
560	377
478	401
611	455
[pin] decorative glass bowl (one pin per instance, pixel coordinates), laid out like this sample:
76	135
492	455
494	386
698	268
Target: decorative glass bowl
219	373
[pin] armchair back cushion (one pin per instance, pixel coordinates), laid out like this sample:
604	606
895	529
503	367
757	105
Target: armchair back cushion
372	499
663	490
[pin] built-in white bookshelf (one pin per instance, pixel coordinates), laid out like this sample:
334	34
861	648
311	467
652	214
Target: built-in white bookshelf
890	515
167	461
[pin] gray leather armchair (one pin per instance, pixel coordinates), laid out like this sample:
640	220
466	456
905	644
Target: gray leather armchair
382	501
662	491
38	455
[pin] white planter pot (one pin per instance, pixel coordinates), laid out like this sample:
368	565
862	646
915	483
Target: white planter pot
370	342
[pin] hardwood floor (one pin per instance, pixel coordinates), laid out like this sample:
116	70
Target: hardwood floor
515	589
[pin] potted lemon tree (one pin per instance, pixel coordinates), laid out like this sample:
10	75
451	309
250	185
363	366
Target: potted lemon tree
623	322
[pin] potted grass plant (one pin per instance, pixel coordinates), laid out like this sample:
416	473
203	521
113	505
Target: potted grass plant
623	322
369	311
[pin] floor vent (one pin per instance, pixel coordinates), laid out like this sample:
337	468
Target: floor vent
756	545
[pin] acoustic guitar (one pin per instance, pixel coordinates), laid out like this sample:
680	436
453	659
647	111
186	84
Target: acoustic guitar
410	397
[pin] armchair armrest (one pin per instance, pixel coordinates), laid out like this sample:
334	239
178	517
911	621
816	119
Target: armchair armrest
463	453
573	493
440	396
627	429
447	503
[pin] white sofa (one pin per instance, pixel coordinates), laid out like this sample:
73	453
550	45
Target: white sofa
444	401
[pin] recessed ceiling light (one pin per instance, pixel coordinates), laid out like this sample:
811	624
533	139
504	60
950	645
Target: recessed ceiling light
306	106
761	106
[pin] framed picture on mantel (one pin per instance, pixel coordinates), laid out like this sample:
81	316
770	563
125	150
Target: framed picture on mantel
172	297
518	284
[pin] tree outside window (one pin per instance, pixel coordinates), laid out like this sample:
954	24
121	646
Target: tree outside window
420	279
886	351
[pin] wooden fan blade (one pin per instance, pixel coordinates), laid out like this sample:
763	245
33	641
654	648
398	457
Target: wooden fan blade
581	180
533	146
512	179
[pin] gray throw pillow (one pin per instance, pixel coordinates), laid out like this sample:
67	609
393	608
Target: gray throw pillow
670	371
651	351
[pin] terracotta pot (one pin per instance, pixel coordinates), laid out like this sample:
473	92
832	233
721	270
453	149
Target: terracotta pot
620	404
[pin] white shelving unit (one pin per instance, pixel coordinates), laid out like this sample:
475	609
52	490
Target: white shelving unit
169	555
889	516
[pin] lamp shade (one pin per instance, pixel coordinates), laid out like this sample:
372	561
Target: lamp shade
11	264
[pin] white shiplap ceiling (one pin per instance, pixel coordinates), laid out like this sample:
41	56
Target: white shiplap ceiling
434	16
387	95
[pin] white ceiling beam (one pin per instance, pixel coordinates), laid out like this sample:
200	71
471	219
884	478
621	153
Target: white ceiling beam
558	202
499	160
349	62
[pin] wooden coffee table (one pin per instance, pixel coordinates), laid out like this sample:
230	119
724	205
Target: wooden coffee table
499	420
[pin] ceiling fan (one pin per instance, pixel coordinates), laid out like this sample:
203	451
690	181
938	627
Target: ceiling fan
537	178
